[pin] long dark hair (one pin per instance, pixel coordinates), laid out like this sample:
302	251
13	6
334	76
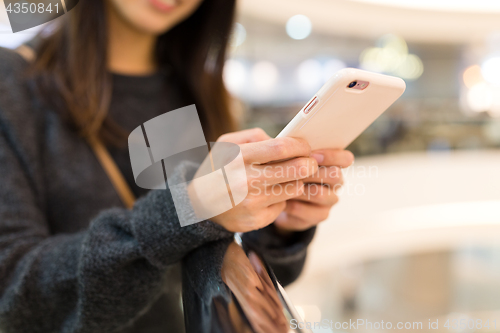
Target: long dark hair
70	67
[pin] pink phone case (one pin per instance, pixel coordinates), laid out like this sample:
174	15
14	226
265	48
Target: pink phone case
338	114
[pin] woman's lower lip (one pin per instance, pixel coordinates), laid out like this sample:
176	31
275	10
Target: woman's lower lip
162	6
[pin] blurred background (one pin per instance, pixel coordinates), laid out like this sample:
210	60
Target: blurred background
416	235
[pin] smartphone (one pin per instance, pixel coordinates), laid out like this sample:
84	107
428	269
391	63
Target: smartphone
343	108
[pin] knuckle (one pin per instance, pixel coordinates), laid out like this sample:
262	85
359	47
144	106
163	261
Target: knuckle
298	163
304	167
249	205
304	145
279	147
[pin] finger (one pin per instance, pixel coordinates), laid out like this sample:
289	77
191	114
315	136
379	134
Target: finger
300	216
331	175
282	192
245	136
319	194
307	211
282	172
292	223
275	150
271	213
333	157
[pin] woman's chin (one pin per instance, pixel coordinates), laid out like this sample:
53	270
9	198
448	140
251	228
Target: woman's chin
154	27
151	22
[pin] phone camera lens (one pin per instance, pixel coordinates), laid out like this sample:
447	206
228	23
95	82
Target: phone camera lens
352	84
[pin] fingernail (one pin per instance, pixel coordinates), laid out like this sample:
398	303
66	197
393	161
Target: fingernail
318	157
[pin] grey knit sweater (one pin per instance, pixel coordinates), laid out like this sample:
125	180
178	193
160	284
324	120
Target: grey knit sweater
72	259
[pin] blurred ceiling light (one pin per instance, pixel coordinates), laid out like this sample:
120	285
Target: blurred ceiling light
298	27
472	76
392	57
310	75
442	5
480	97
264	75
411	68
371	59
396	43
238	36
491	70
331	67
235	75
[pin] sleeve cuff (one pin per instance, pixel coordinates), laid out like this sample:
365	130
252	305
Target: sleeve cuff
276	247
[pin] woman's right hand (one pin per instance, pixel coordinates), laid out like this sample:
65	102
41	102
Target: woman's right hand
270	184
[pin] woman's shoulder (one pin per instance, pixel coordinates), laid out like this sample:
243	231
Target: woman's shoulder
15	89
18	115
13	79
12	65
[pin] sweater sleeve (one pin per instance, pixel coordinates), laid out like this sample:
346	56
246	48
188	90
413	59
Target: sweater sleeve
286	256
97	280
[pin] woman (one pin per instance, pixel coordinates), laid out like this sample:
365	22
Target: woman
72	257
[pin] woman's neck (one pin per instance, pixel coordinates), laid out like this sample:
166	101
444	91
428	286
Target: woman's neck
130	52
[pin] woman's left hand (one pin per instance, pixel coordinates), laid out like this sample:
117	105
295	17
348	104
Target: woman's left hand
314	205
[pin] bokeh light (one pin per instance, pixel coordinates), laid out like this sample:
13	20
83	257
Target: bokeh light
411	68
472	76
239	35
309	75
332	66
394	42
235	75
491	70
264	75
494	110
480	97
298	27
392	57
